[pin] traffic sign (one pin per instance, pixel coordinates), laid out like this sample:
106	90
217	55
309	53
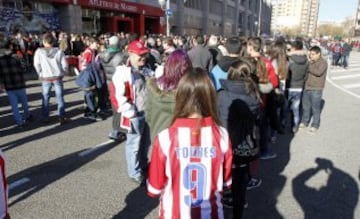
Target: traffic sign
169	12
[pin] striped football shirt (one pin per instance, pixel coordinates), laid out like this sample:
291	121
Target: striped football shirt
190	165
3	188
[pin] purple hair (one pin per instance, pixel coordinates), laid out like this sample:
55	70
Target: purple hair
177	64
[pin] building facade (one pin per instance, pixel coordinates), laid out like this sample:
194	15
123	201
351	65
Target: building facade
225	17
309	17
357	21
79	16
300	15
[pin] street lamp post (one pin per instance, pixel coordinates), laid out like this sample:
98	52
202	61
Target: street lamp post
259	19
256	29
167	18
166	4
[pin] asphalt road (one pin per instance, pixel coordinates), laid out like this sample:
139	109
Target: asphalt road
75	171
347	80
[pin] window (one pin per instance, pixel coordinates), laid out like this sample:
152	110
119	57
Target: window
216	7
230	12
241	19
44	7
12	4
194	4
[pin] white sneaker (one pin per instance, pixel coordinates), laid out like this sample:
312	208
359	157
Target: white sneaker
302	126
273	139
313	130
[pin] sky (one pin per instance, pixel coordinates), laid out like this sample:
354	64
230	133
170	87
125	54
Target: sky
336	10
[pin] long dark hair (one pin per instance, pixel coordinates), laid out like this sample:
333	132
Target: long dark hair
278	52
196	94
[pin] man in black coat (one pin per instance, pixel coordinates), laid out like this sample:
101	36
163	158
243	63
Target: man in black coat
13	82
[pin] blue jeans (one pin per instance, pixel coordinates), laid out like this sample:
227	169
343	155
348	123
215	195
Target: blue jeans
345	61
295	99
15	97
311	104
59	92
136	146
336	58
90	101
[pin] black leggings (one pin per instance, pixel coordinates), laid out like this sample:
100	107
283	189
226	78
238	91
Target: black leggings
240	178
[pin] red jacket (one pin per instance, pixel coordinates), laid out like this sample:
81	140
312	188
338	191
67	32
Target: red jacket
271	72
86	58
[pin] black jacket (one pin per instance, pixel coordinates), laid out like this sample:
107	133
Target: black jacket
231	91
226	61
11	71
239	113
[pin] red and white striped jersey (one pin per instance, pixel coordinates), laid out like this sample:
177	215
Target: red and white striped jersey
190	165
3	189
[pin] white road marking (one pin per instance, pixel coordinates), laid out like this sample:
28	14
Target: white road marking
341	88
345	71
97	147
345	76
18	183
351	85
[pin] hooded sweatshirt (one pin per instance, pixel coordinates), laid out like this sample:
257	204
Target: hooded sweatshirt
50	63
220	70
298	67
111	58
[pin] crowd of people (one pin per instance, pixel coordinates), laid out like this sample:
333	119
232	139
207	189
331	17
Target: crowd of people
340	52
197	113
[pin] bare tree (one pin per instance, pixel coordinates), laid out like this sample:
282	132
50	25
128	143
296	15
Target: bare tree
331	30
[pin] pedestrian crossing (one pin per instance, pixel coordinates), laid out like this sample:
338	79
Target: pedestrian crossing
347	80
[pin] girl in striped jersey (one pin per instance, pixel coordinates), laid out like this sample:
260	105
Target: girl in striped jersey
191	160
4	214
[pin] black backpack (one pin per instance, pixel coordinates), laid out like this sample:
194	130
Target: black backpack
243	128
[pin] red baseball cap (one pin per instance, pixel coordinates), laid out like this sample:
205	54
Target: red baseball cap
137	47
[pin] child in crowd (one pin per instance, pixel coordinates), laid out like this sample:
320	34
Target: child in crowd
191	160
239	111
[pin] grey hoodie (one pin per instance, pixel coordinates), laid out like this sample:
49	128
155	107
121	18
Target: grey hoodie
298	68
50	63
110	60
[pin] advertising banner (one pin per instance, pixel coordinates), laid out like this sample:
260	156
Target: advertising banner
28	20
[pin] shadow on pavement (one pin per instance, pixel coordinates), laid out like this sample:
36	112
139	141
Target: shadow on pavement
138	205
337	198
53	130
6	115
262	200
44	174
38	96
